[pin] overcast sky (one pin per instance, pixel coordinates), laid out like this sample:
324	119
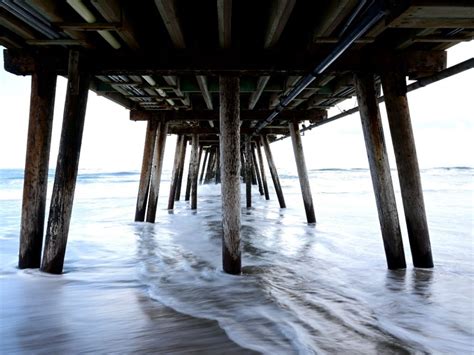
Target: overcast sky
442	117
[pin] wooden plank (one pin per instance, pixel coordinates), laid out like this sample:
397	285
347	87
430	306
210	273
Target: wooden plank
380	171
67	166
302	171
43	90
85	26
279	14
262	82
193	62
199	115
157	167
145	176
113	12
16	26
202	82
167	9
230	171
55	42
224	20
398	113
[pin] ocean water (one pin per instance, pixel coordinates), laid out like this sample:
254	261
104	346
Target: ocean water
158	288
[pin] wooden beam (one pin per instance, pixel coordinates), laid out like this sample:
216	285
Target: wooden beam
380	171
262	82
67	166
43	90
145	176
224	20
302	115
279	14
215	131
167	9
113	12
16	26
191	62
230	160
332	17
202	82
85	26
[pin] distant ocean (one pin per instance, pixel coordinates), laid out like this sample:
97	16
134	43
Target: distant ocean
138	287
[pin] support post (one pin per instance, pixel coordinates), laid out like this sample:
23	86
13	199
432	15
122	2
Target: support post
175	173
182	158
145	176
67	165
262	170
203	169
257	172
187	195
395	90
194	170
230	172
302	171
248	172
273	172
380	170
157	166
218	167
210	164
43	90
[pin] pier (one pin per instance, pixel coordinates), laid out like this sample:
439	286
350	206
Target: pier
228	78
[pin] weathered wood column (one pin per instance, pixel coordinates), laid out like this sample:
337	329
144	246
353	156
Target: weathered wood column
248	172
175	174
210	165
157	167
273	172
189	182
262	170
395	90
182	158
217	168
67	165
194	170
40	126
145	175
229	112
380	170
206	156
302	171
257	172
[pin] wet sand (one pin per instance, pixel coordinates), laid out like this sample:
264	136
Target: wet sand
47	314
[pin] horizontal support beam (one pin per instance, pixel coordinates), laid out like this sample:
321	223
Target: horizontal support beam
194	62
300	115
215	131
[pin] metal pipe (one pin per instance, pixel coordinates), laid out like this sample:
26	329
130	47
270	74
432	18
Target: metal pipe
443	74
374	15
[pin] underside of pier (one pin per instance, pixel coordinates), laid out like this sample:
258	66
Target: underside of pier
228	78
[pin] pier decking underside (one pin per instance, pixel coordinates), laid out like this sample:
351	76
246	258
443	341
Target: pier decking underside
229	77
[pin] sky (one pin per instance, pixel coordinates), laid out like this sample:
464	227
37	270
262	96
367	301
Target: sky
442	118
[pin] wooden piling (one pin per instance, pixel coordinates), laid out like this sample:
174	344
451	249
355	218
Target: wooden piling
182	158
210	165
67	165
175	173
206	157
252	170
395	90
262	170
187	195
230	172
43	90
257	172
145	176
217	179
302	172
380	170
248	171
273	172
157	167
194	170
